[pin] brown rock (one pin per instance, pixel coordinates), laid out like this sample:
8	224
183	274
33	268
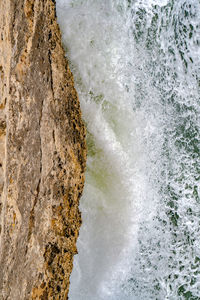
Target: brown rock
42	154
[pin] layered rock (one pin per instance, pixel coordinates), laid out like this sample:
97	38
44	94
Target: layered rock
42	154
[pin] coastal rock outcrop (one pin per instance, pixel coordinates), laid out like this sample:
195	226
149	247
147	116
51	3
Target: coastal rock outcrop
42	154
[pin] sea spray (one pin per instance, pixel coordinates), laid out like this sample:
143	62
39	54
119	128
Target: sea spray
136	67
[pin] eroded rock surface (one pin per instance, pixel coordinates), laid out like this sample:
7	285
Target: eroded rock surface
42	154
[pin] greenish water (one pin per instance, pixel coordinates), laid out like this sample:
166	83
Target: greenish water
136	66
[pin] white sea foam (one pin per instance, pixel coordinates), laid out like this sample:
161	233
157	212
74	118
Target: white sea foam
135	65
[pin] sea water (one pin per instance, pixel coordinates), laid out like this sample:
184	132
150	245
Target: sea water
136	66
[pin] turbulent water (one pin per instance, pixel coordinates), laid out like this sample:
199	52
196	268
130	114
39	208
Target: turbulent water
136	66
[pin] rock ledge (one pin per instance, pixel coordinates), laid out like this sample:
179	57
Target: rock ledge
42	154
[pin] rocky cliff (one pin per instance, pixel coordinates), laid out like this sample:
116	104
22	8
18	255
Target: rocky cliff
42	154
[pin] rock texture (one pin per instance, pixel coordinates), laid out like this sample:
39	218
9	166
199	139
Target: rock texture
42	154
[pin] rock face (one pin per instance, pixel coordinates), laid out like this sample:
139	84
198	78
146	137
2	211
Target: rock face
42	154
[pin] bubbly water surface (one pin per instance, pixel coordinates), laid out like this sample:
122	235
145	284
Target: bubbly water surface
136	65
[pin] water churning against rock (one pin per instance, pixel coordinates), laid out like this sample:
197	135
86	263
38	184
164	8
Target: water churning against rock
136	65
